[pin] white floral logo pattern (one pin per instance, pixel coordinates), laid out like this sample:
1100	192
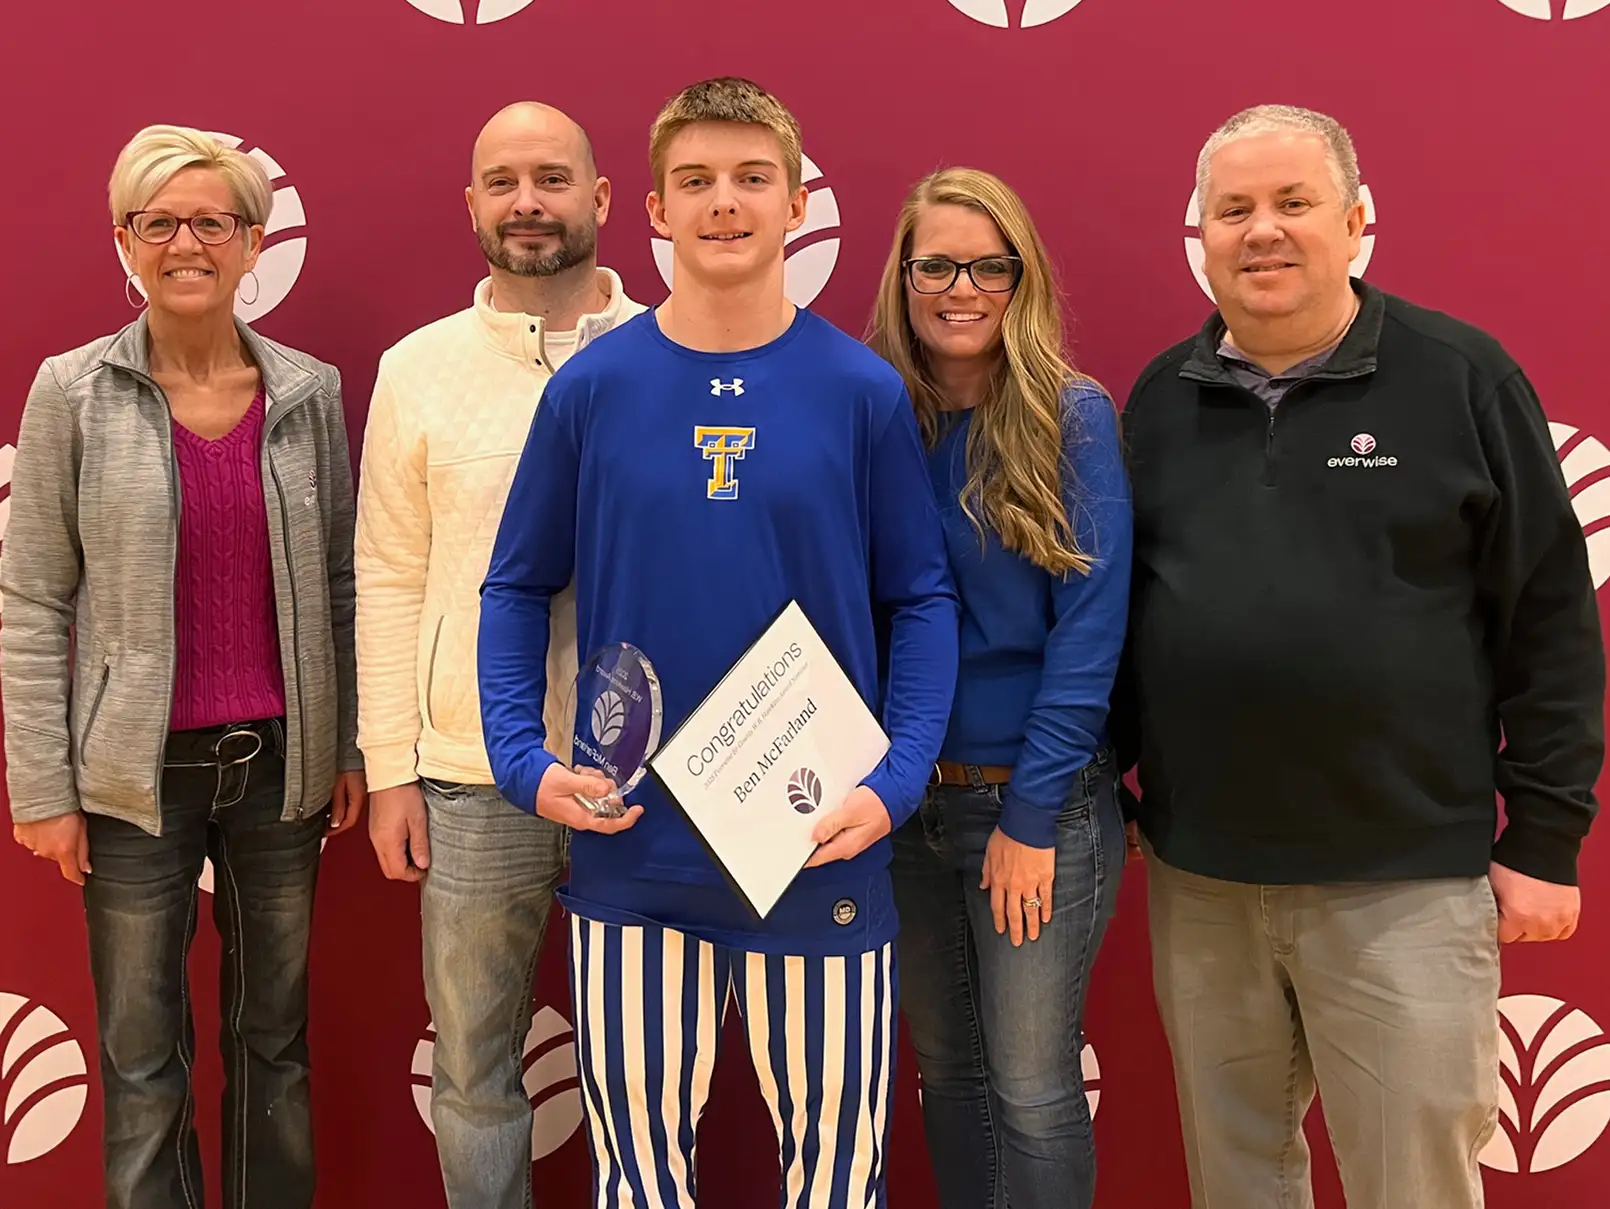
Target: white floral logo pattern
609	717
1029	13
1554	1098
549	1061
1582	458
1546	10
465	12
44	1083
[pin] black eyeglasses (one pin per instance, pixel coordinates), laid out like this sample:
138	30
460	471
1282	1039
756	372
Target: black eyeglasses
936	274
158	226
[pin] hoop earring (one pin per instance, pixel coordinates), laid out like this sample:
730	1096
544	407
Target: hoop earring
257	289
132	295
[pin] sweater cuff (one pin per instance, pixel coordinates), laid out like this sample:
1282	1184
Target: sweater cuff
527	780
44	811
390	765
1538	852
882	783
1034	826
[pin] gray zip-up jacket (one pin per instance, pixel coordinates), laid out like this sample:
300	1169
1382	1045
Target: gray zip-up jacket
87	645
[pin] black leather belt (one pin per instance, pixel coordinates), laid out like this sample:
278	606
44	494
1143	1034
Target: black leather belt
223	746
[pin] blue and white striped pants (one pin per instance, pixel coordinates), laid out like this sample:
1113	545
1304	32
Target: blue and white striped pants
649	1004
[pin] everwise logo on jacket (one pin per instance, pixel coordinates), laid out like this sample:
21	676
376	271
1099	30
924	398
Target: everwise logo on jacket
1363	445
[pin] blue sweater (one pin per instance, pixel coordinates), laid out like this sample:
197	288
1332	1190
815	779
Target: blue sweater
1039	652
690	496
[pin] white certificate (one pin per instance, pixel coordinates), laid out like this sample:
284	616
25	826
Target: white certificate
781	741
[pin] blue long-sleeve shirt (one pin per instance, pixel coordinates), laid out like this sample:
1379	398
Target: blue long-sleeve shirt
1038	651
690	496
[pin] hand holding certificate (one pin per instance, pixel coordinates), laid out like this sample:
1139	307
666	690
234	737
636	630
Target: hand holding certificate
783	740
854	827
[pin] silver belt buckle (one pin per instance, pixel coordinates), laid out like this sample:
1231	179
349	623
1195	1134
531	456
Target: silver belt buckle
239	733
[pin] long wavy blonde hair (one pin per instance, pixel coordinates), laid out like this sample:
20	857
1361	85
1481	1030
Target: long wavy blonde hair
1015	468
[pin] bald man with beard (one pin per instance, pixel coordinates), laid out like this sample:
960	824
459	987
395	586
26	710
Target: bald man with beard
452	405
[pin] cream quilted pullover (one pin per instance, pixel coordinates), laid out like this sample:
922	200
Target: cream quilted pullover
452	405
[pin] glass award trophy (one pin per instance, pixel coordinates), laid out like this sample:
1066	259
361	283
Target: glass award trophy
616	722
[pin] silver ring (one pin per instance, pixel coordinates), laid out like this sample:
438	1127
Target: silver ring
1031	902
242	732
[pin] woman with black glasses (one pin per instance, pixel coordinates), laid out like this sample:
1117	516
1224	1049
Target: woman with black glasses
177	670
1007	877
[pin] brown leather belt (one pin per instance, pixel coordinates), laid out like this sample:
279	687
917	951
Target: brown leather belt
946	773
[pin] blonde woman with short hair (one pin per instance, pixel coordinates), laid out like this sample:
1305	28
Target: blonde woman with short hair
1007	877
177	670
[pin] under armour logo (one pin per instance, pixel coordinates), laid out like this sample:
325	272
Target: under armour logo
717	386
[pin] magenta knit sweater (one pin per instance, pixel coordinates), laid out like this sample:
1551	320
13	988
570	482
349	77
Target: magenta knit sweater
223	589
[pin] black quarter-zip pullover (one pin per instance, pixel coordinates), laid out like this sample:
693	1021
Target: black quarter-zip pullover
1360	616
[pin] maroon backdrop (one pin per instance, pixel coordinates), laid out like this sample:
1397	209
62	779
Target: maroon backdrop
1480	127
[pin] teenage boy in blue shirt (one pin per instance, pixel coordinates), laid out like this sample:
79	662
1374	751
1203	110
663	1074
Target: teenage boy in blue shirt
707	463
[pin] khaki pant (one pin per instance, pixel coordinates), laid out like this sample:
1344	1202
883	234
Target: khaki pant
1385	994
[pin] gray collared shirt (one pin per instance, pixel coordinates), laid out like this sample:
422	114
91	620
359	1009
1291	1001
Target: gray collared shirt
1271	388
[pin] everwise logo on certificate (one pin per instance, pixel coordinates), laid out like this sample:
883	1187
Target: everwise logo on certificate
782	740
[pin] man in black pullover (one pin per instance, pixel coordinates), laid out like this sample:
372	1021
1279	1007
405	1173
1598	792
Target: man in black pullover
1362	613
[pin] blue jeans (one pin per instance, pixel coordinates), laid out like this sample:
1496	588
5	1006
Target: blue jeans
997	1029
484	908
140	908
